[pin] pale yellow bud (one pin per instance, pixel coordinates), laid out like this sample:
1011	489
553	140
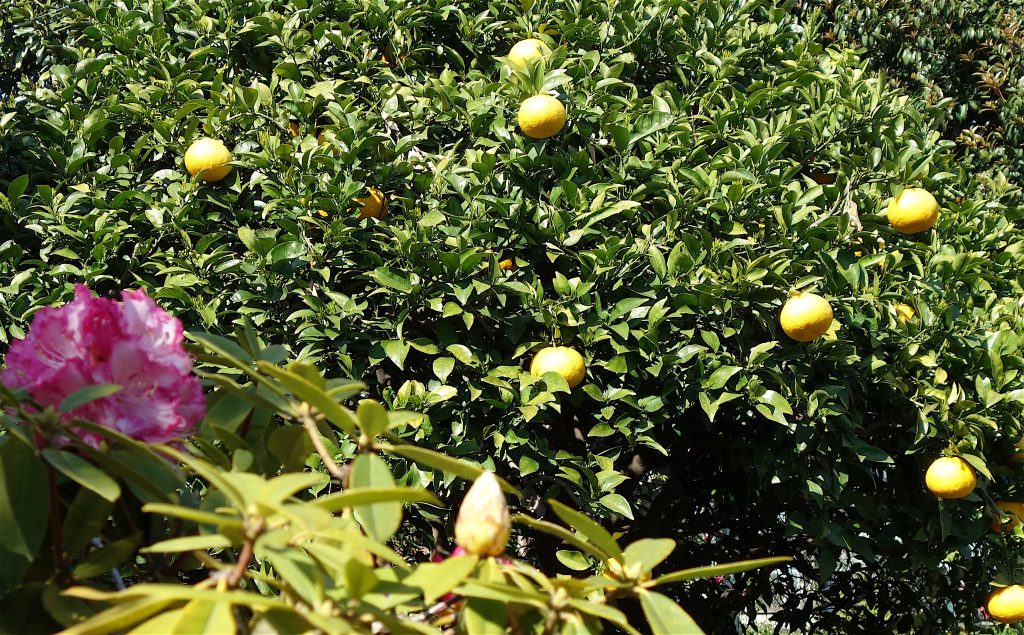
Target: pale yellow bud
483	524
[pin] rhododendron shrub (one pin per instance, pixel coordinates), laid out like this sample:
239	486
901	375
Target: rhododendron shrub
133	344
285	511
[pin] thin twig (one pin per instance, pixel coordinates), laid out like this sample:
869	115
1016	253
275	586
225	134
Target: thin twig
309	422
243	563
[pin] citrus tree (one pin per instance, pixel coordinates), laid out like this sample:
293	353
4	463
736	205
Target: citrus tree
715	159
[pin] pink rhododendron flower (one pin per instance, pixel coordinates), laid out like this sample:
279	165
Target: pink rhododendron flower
132	343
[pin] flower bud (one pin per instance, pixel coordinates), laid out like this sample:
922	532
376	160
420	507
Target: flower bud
483	525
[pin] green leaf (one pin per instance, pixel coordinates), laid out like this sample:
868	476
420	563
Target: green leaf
291	446
197	516
373	417
443	366
301	387
205	542
649	123
88	513
502	592
24	508
977	463
437	579
573	559
584	525
380	520
603	611
618	504
647	553
483	616
393	280
564	534
17	187
438	461
86	395
365	495
720	377
106	558
203	617
230	351
665	617
719	569
119	617
84	473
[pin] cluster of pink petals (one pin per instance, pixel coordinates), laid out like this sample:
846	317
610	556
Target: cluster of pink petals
132	343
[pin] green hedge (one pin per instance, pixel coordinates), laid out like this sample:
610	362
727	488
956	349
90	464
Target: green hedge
715	157
971	52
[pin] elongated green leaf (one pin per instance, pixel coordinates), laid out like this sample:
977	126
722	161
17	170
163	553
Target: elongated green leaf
438	461
380	519
205	542
301	387
230	351
373	417
174	592
603	611
160	624
665	617
502	593
366	495
648	553
189	513
719	569
560	532
86	395
102	560
24	508
269	402
281	488
204	617
84	473
439	578
84	519
483	616
216	478
594	533
117	618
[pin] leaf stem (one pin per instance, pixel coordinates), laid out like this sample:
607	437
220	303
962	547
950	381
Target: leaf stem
309	422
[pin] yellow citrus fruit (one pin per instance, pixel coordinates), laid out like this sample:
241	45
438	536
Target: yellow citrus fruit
209	159
526	51
950	477
1006	605
913	211
509	264
293	128
562	360
1012	509
904	312
373	205
541	116
806	316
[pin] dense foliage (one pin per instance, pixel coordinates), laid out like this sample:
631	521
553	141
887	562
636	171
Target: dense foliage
969	51
716	156
248	540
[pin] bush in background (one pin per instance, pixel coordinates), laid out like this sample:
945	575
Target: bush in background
970	52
